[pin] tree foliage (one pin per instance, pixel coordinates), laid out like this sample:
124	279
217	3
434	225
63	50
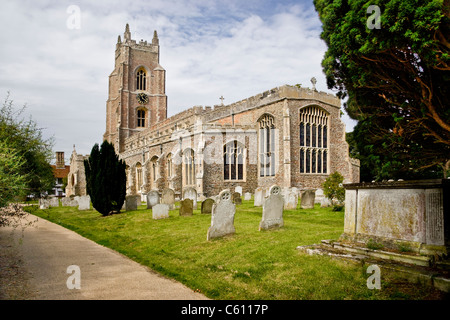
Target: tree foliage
396	80
12	182
24	140
105	179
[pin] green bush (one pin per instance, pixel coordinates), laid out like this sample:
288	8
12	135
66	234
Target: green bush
333	190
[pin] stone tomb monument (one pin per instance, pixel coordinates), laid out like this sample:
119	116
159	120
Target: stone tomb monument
152	198
191	193
307	201
168	197
160	211
272	216
207	206
222	216
186	207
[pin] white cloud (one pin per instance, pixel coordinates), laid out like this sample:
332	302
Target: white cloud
209	48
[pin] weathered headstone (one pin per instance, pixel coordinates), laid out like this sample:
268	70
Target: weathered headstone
168	197
222	217
191	193
43	203
307	201
259	197
69	202
160	211
272	216
247	196
53	202
319	196
236	197
152	198
325	202
132	202
290	200
207	205
84	203
238	189
186	207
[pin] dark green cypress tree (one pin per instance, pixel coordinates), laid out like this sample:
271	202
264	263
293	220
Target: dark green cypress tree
105	179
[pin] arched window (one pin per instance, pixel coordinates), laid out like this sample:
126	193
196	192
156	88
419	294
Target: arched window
233	161
141	118
189	167
154	168
313	140
266	146
138	176
141	77
169	165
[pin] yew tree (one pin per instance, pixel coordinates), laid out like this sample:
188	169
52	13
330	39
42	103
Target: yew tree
391	63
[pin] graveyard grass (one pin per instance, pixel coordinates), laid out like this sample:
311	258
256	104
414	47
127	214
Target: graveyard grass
249	265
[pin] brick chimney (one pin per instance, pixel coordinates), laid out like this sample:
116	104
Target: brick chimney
60	163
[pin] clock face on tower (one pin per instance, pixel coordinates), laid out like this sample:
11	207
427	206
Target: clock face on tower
142	98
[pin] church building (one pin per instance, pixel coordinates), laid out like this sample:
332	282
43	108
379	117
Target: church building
290	136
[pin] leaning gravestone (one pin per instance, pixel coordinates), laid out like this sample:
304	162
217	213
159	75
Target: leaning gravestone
152	198
191	193
307	201
222	217
168	197
207	205
237	198
132	202
247	196
259	197
186	207
84	203
160	211
272	216
290	200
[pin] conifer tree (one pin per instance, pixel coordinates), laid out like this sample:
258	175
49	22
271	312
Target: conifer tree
105	179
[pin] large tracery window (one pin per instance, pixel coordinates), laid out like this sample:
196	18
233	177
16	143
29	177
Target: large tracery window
266	146
313	140
233	161
141	77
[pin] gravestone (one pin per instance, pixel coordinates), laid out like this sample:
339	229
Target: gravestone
307	201
84	203
222	217
160	211
259	197
53	202
238	189
290	200
207	206
43	203
319	195
69	202
191	193
132	202
325	202
272	216
236	197
186	207
152	198
168	197
247	196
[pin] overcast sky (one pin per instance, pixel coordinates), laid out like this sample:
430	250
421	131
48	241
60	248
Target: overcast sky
208	48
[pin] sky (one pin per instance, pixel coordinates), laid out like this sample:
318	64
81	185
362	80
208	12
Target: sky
57	56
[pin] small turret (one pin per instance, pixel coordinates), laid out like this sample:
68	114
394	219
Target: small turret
155	40
127	34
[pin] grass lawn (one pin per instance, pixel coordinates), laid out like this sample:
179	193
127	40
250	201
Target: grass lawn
249	265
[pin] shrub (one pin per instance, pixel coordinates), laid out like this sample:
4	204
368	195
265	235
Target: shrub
333	190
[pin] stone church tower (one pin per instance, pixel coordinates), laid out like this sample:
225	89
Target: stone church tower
136	98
